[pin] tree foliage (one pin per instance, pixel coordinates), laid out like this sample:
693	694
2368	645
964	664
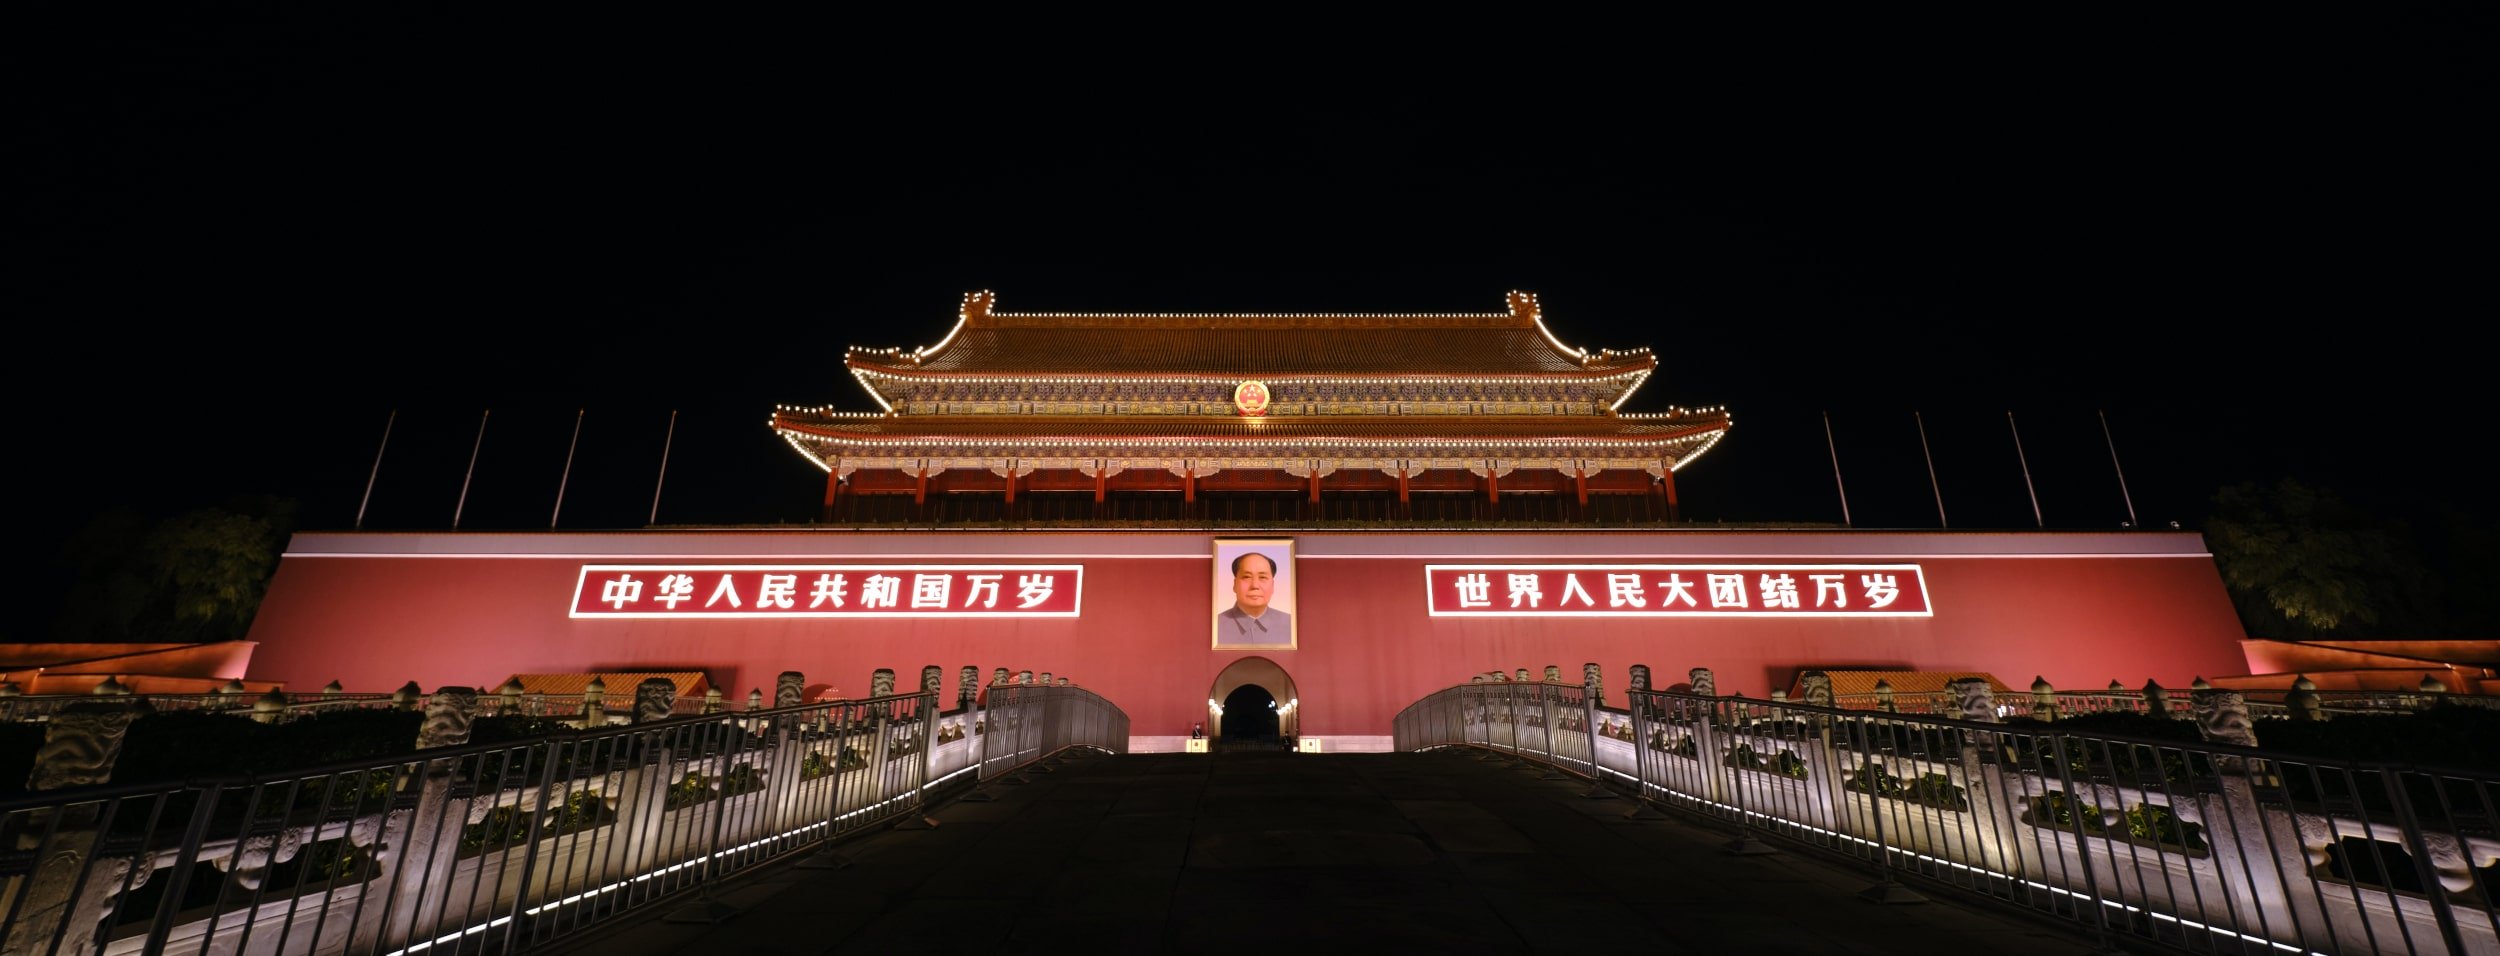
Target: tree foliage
2300	562
194	576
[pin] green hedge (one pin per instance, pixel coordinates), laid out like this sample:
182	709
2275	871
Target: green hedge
186	744
18	743
2447	735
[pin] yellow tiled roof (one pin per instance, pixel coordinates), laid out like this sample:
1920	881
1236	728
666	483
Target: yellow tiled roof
1279	430
1511	342
1845	683
618	683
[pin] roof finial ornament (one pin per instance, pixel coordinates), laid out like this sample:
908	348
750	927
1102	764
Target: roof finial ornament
977	304
1522	304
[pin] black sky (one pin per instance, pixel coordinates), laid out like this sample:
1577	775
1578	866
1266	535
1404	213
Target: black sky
2261	246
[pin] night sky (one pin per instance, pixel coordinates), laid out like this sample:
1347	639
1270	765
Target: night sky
241	242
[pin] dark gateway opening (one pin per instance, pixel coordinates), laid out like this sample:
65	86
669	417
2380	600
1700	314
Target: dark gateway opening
1249	720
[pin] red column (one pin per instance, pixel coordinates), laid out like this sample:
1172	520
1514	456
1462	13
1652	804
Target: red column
833	494
1668	481
1406	510
1189	486
920	487
1314	486
1580	485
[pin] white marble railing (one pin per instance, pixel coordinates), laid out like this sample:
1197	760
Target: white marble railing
2194	844
498	847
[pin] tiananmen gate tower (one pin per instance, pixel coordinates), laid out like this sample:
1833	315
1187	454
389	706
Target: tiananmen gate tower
1341	512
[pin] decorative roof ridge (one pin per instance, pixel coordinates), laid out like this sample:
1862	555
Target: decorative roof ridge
906	371
977	311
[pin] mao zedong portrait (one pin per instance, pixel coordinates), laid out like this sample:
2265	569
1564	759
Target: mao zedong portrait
1250	620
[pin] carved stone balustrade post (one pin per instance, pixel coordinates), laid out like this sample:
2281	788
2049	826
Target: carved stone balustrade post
2431	687
1973	699
654	699
790	689
595	704
270	707
2223	717
2302	701
69	889
1815	689
448	717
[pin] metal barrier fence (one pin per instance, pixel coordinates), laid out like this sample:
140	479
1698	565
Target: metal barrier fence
278	707
1028	722
2270	702
2196	845
492	848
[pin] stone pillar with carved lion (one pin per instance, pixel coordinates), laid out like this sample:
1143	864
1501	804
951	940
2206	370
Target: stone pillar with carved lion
421	847
789	690
70	888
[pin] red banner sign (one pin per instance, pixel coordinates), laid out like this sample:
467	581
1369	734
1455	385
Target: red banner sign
1677	590
827	590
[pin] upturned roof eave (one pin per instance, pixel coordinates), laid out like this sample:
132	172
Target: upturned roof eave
1636	367
833	432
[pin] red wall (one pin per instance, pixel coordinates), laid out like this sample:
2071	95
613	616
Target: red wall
376	611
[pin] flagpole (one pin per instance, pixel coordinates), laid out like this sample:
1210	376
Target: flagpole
663	479
568	467
2121	469
1931	470
464	479
1836	483
377	468
2026	462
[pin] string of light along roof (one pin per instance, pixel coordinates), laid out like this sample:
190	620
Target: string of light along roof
1294	377
1065	442
828	412
963	317
1709	441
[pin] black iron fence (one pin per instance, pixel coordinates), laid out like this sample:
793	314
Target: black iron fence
496	848
2201	845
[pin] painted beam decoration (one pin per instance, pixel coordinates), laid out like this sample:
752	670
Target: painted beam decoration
828	590
1676	590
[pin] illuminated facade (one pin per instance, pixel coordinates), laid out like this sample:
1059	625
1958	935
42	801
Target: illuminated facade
1063	427
1294	417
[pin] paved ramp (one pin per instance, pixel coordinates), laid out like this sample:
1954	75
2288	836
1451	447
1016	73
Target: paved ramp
1303	854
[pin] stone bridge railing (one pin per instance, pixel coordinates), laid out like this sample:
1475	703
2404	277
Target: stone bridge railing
2208	846
499	847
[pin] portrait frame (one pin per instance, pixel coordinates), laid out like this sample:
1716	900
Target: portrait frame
1225	632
